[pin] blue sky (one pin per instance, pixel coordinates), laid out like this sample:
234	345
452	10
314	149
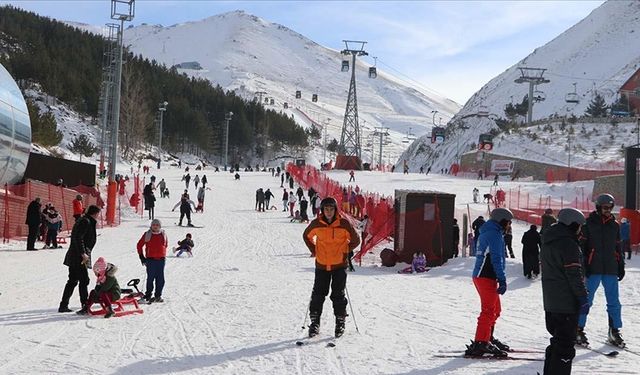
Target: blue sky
451	47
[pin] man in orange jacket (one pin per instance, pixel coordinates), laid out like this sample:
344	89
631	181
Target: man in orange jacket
78	207
334	239
155	242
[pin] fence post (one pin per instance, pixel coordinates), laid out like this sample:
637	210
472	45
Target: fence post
528	201
5	237
518	197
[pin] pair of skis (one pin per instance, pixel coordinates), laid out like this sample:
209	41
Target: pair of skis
514	354
331	341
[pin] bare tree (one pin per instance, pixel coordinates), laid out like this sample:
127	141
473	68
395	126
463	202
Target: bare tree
135	115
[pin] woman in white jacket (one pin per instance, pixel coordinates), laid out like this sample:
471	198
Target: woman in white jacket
292	202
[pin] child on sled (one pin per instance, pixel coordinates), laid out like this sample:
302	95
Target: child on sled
107	289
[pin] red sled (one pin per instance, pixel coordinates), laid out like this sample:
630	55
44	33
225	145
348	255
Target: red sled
119	306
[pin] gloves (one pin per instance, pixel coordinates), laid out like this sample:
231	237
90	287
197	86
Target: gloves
583	303
620	271
143	260
502	286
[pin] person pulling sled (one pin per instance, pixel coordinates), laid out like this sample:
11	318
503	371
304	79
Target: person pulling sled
329	238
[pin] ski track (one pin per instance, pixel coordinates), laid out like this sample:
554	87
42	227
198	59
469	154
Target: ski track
236	306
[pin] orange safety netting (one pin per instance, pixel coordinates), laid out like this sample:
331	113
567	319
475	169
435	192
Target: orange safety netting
16	199
380	222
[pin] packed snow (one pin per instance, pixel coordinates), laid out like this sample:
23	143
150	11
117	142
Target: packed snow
237	306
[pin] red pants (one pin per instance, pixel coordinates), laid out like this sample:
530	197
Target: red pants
103	297
291	206
490	302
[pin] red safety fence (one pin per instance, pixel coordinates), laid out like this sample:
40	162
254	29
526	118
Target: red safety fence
380	221
16	199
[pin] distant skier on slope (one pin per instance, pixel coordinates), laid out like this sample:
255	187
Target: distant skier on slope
185	205
490	281
329	238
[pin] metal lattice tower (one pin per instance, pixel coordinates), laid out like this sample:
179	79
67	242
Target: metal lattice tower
533	76
350	138
383	133
106	101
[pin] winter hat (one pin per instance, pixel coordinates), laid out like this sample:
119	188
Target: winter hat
188	235
156	222
100	268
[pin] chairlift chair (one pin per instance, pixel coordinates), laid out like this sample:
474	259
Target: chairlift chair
345	65
373	72
298	94
485	142
572	98
539	96
437	134
272	102
314	98
483	111
286	105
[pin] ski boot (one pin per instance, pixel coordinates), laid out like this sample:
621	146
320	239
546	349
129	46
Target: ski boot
83	311
314	327
500	345
581	338
340	320
615	338
480	349
109	313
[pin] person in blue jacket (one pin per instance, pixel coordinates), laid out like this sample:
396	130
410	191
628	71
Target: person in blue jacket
490	281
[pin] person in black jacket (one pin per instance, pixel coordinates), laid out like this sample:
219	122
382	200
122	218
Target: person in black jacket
563	290
149	200
78	258
530	252
260	200
604	263
456	238
33	221
267	198
477	223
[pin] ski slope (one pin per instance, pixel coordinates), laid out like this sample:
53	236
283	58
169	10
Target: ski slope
237	306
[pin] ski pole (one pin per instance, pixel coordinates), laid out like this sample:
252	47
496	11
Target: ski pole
351	307
304	324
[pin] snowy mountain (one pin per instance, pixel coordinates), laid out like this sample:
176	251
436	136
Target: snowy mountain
599	54
247	54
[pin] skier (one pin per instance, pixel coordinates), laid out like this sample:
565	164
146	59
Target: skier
329	238
352	176
186	179
77	258
421	170
508	240
490	281
531	243
162	185
292	202
291	182
428	170
625	236
154	242
282	180
54	224
186	245
200	198
267	198
563	291
107	289
547	220
260	198
456	238
604	263
33	221
476	193
285	200
196	181
78	208
480	175
185	205
475	226
495	180
149	200
204	181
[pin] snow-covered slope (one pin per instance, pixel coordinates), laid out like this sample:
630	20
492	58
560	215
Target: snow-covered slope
247	54
599	54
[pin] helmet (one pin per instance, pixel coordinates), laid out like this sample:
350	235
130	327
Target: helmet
328	201
499	214
605	199
568	216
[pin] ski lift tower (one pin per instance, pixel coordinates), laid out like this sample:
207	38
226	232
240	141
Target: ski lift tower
533	76
350	152
382	133
121	10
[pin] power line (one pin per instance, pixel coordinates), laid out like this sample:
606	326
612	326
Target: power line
421	85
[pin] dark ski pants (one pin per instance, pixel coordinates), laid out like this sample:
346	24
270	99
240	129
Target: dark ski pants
338	281
561	351
151	213
508	240
456	248
490	307
266	204
78	275
52	238
611	293
104	298
155	273
183	214
33	234
261	206
530	263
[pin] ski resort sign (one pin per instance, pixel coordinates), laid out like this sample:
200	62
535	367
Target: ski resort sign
502	166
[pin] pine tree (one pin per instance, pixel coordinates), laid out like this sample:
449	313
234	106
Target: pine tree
83	146
333	146
597	107
44	128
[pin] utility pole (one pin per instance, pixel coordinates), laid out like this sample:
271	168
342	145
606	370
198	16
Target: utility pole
162	107
324	149
534	77
350	137
227	118
121	10
382	133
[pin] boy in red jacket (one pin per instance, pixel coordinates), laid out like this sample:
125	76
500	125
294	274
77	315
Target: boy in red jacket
155	243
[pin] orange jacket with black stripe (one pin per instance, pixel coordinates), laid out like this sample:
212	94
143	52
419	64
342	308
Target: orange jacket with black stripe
332	242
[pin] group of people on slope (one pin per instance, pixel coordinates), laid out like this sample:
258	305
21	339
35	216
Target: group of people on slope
577	256
46	222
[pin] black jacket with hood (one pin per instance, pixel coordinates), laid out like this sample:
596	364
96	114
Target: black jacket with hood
600	244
